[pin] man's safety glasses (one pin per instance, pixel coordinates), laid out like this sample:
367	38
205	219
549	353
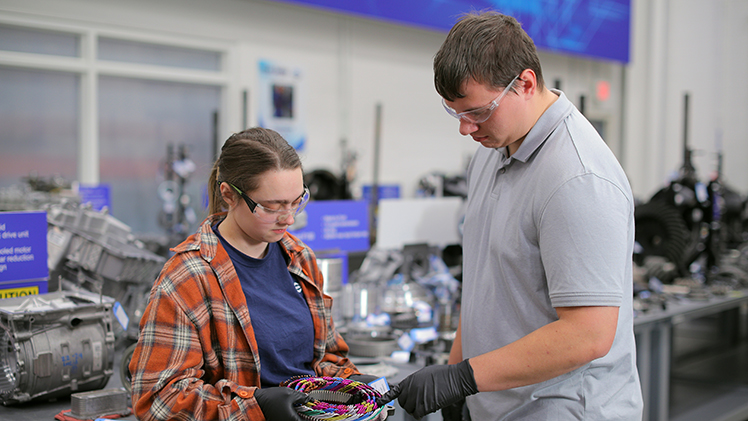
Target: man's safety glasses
479	115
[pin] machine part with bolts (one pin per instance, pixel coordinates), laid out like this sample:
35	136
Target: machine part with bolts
91	250
54	344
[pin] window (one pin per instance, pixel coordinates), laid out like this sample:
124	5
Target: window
39	115
68	111
155	54
37	41
138	121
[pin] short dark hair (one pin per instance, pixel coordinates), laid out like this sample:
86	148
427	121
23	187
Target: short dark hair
489	47
245	156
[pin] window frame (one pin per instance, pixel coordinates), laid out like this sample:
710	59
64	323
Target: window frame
89	67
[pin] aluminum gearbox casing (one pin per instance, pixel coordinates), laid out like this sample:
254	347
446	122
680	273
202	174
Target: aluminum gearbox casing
54	344
91	250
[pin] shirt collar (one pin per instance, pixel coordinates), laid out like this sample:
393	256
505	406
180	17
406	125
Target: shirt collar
543	128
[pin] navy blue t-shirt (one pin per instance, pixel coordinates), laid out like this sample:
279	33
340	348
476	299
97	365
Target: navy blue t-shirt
281	319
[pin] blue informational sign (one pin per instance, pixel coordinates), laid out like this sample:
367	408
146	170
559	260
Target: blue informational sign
98	196
23	247
596	28
384	191
340	225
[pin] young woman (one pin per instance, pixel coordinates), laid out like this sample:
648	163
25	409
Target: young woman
239	308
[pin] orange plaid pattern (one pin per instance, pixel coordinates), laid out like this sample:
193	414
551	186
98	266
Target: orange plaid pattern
197	357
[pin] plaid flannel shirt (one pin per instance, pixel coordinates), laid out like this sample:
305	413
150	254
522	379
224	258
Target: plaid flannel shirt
197	357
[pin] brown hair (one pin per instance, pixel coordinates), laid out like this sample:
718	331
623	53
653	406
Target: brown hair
489	47
245	156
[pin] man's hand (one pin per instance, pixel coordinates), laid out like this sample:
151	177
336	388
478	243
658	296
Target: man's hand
434	387
277	403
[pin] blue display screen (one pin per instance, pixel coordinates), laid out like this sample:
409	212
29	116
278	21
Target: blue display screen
594	28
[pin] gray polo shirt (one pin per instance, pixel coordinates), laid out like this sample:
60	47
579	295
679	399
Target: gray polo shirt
550	226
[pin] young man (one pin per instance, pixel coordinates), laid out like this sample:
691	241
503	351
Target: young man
546	328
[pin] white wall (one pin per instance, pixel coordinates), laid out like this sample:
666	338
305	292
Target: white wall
679	46
351	64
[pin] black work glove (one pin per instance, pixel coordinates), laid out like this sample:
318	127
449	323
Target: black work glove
435	387
277	403
453	412
363	378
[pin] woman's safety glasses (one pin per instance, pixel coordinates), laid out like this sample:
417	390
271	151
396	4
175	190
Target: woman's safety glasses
271	215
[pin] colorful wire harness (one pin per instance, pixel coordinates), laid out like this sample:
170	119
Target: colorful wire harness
337	399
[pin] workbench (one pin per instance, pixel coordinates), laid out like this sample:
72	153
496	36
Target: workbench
654	341
653	331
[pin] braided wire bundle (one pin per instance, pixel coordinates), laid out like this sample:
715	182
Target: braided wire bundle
337	399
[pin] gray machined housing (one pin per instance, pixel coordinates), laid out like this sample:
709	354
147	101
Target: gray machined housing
54	344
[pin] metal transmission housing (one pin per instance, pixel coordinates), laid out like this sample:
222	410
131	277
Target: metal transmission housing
54	344
92	250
